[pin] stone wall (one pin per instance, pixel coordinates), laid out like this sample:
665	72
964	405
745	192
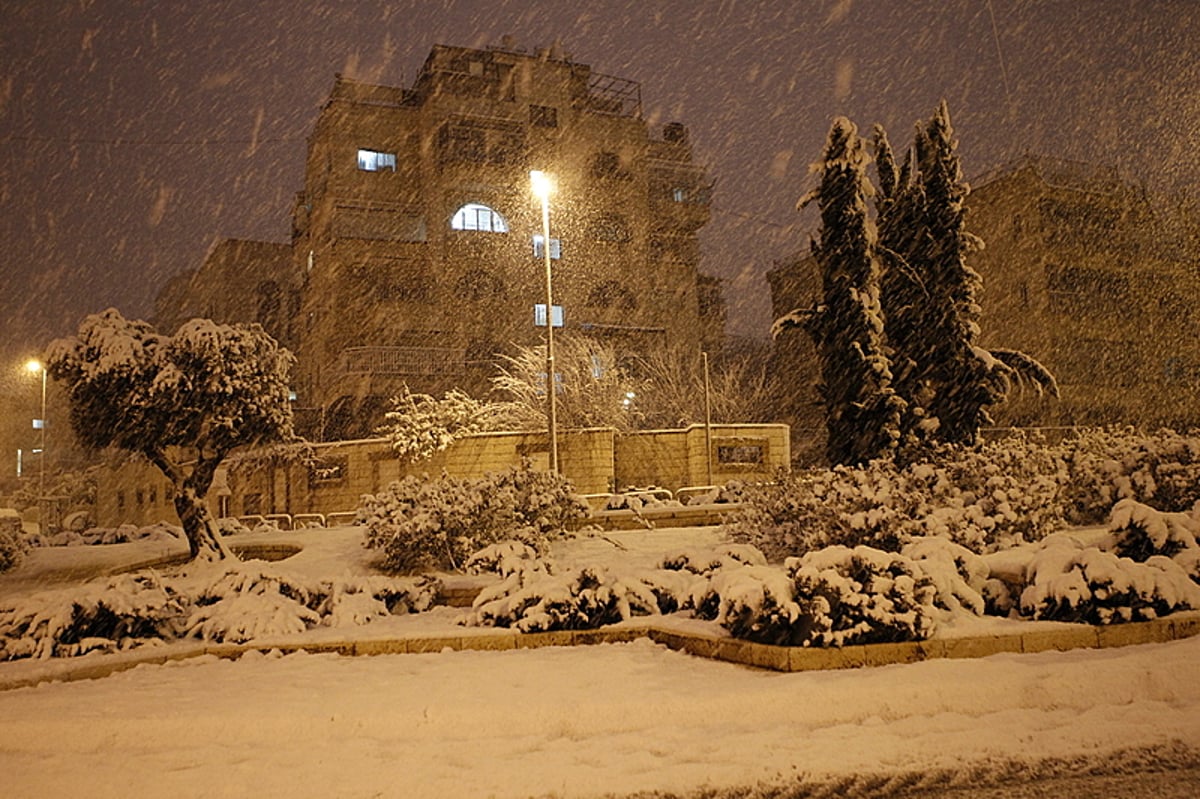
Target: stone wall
595	460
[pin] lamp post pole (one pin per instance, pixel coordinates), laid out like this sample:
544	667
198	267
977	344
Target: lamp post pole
542	187
38	366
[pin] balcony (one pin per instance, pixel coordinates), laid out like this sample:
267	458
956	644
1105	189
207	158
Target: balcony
403	361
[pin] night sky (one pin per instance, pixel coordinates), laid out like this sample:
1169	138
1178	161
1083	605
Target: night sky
133	135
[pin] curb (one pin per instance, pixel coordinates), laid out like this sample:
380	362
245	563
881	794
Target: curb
728	650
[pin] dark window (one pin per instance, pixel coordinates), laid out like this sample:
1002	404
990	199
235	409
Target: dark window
140	497
612	294
543	116
610	227
120	500
252	504
479	284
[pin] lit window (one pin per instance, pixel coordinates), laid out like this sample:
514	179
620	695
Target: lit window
375	161
678	195
555	248
474	216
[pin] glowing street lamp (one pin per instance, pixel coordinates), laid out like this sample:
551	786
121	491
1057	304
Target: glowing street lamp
33	367
543	187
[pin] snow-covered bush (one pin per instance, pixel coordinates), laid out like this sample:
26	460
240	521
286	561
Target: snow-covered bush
419	425
986	497
106	615
1138	531
13	545
99	536
535	601
755	603
707	561
235	603
1067	582
1107	465
438	523
959	576
862	596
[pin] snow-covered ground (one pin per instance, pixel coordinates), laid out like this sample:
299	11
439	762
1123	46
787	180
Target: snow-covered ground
591	721
611	719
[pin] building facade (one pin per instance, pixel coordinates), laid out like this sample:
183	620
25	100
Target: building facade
1081	272
416	255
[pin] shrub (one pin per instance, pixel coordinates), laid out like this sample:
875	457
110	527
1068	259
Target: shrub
237	602
987	497
1139	532
862	596
754	603
423	523
1066	582
1110	464
13	545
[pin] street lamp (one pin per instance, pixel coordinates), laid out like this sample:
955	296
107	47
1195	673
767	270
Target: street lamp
33	367
542	187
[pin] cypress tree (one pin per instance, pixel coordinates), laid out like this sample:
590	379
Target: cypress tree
862	412
965	379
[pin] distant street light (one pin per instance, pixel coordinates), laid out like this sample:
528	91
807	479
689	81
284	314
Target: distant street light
33	367
543	187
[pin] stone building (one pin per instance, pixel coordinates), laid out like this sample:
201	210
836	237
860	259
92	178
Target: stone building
1081	271
416	251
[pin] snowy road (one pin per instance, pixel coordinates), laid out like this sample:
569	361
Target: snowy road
605	720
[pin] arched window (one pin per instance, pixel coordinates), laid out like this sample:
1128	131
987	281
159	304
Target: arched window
474	216
479	284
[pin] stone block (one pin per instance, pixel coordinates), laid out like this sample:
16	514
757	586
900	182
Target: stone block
382	646
620	635
670	639
981	646
1061	640
1185	626
1141	632
535	640
493	642
887	654
765	656
422	645
826	657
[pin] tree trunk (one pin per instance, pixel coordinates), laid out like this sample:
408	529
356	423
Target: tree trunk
204	539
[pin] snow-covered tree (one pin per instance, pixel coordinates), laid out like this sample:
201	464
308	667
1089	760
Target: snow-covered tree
420	425
183	401
862	412
967	380
673	392
594	390
928	294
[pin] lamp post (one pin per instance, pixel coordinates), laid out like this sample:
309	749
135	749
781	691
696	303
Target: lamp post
33	367
542	188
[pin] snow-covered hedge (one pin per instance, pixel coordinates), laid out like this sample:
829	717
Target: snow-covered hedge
13	545
234	603
421	523
834	597
985	498
95	536
1106	465
1147	566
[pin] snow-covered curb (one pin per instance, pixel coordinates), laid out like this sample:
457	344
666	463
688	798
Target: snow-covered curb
662	631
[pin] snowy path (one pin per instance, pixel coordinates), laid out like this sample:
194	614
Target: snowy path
579	722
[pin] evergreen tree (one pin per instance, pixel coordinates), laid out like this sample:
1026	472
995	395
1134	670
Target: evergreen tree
862	412
965	378
904	300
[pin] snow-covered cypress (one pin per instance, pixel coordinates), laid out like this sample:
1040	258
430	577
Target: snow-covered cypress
966	379
903	299
862	412
183	401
